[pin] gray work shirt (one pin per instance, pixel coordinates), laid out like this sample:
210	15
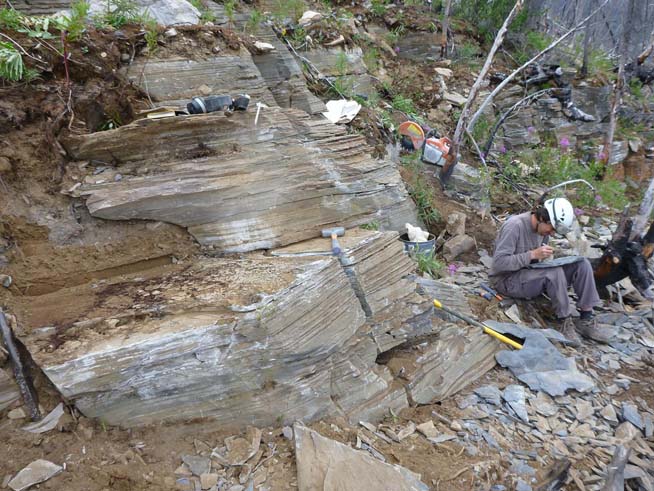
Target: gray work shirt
515	240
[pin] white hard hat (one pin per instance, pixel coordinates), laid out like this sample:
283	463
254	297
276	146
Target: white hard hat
561	214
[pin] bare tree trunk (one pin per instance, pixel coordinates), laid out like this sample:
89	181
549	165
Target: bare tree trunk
515	73
587	34
445	26
647	51
619	84
644	212
615	472
465	113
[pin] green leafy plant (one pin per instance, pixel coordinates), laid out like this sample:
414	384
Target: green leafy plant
467	53
151	34
534	42
394	35
253	21
374	225
75	23
371	58
284	9
420	190
488	16
404	104
11	62
636	89
427	263
600	64
378	7
10	18
119	13
230	10
482	128
552	165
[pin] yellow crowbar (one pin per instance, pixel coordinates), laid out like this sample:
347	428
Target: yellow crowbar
509	339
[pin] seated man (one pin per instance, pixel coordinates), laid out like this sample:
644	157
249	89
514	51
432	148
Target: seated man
523	240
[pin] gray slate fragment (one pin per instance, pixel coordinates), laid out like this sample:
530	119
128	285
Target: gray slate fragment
489	393
649	425
197	465
539	364
287	431
630	413
612	389
470	400
521	467
38	471
522	486
498	487
608	413
514	395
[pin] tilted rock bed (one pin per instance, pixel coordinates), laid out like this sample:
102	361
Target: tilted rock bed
253	340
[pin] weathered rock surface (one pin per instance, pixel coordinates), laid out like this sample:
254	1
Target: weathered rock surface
8	390
232	184
202	345
458	245
469	354
331	466
245	340
260	186
174	82
165	12
38	471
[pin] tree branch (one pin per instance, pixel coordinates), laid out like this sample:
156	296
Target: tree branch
647	51
508	79
465	113
524	101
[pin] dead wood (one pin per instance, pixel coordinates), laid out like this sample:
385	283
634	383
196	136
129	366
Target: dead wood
627	253
465	113
615	475
518	70
619	84
522	102
445	26
26	389
640	59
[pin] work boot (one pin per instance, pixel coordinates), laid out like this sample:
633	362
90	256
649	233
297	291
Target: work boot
589	328
567	328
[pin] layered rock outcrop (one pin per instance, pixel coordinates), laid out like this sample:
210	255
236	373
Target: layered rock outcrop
253	340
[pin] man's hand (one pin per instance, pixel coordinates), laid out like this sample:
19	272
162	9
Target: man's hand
543	252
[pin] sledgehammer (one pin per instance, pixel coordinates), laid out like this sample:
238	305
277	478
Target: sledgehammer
333	233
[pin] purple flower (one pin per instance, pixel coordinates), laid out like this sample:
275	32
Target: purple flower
452	268
397	49
598	197
578	212
502	149
601	156
564	142
483	155
530	129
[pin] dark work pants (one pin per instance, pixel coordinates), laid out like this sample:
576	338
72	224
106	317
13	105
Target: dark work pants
529	283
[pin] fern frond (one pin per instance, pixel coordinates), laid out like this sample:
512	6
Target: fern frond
11	62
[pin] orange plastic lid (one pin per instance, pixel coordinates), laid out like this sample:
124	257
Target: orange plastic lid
413	131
